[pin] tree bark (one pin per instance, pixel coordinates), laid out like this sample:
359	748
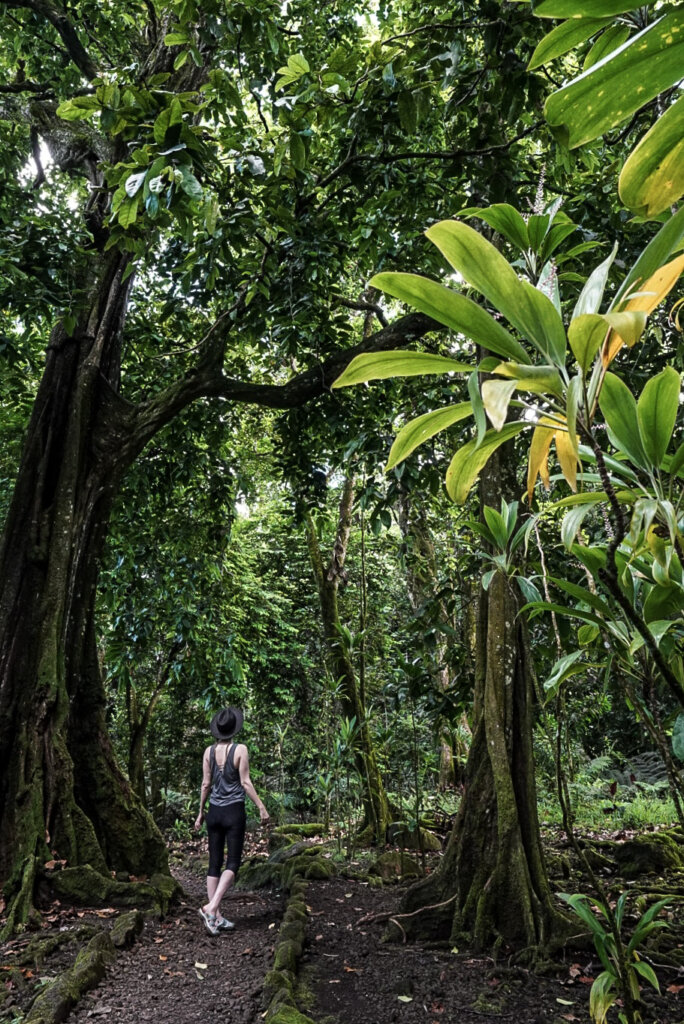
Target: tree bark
492	884
60	787
377	815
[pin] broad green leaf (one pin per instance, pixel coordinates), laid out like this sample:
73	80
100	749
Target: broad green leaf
422	428
572	407
657	412
453	310
593	558
191	185
583	8
657	628
653	256
620	413
381	365
663	603
646	971
564	668
677	461
583	595
128	211
678	737
561	609
483	267
612	90
496	394
78	108
539	380
605	44
297	151
505	219
572	523
408	111
565	37
468	461
591	295
586	334
652	179
585	498
497	525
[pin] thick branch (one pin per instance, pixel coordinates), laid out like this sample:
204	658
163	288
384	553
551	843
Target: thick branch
66	31
143	421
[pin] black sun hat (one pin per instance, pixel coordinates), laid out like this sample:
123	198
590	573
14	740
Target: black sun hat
226	723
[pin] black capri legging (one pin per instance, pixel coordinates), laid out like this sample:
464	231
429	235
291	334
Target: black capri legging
225	825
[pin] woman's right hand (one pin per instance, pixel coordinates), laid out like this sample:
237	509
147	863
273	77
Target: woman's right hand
264	815
198	821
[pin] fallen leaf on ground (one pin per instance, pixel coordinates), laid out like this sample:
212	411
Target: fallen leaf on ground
405	999
163	957
201	967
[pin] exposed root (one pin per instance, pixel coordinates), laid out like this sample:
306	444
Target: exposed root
388	916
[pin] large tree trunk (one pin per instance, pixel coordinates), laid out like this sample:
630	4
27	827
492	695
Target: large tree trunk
61	791
492	884
377	815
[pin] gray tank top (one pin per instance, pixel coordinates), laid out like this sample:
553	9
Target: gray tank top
225	784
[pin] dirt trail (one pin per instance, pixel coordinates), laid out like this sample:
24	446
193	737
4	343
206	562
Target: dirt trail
177	972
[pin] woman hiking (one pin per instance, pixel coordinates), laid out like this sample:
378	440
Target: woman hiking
225	775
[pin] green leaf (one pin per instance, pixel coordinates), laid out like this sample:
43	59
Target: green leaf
605	44
647	972
586	334
572	522
678	737
191	185
297	151
565	668
591	295
470	459
565	37
422	428
128	211
505	219
408	111
78	108
483	267
583	8
453	310
497	525
614	89
176	38
297	65
620	413
652	179
629	325
663	603
657	412
539	380
381	365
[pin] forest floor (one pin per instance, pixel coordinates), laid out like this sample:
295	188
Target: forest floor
347	974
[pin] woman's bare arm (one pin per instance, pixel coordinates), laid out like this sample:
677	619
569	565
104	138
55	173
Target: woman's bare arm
242	761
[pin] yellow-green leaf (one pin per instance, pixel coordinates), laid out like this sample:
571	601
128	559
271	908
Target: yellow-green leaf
657	413
538	380
496	394
586	334
538	457
469	460
453	310
565	37
382	365
531	312
422	428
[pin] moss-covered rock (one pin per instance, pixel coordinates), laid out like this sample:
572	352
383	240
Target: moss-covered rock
288	1015
648	854
294	932
399	834
86	887
257	873
126	929
276	982
54	1003
395	864
286	956
306	831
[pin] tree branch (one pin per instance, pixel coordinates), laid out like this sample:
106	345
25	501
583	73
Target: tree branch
141	422
58	19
